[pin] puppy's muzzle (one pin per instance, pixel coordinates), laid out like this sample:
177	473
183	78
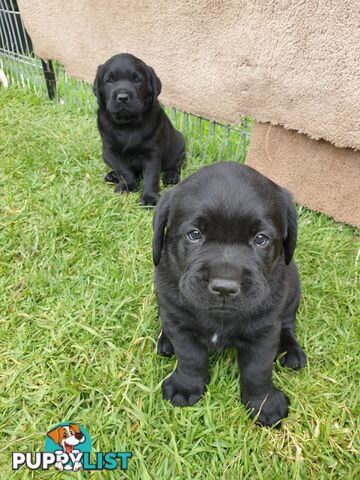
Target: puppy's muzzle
223	287
79	436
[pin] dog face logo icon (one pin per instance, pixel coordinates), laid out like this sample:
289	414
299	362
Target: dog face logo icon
67	436
72	440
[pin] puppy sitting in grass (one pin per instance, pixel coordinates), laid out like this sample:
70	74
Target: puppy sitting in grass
138	138
223	249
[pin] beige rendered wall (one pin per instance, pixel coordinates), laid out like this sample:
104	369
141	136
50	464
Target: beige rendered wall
294	63
321	176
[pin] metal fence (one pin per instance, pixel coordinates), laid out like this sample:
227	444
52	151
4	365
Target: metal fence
207	141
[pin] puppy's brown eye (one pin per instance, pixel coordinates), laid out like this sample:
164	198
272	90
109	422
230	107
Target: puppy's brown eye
65	434
194	235
261	239
109	80
137	80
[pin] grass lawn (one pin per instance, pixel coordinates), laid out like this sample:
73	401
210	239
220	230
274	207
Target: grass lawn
79	325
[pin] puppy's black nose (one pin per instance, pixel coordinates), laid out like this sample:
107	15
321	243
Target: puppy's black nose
122	97
224	287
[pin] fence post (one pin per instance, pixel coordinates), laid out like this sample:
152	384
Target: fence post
50	79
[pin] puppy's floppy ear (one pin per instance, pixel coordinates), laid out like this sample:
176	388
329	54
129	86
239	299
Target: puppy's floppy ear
160	222
290	233
155	84
97	85
55	434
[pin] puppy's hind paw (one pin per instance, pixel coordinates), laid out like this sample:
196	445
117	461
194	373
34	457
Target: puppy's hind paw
164	346
294	357
121	187
111	177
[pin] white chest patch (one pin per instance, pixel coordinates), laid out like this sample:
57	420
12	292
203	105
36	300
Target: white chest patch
214	338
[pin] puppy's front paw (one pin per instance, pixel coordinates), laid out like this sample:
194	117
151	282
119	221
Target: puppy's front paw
150	199
270	410
294	357
182	395
164	346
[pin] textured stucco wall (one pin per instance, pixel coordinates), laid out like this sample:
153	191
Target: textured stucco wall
288	62
321	176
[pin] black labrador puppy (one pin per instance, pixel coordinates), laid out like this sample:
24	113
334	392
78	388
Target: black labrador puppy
223	246
138	138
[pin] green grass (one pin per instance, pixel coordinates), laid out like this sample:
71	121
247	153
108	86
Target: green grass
79	324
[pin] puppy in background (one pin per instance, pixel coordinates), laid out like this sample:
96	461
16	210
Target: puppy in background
225	277
137	136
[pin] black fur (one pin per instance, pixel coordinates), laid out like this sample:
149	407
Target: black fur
138	138
224	289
